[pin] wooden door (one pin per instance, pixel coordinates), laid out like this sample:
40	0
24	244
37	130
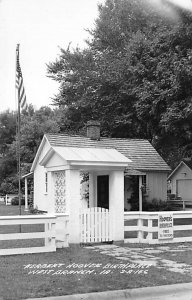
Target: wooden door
103	191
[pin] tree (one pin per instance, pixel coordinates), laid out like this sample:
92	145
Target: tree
33	126
7	130
134	76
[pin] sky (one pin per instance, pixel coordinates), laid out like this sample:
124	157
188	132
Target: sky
40	27
167	7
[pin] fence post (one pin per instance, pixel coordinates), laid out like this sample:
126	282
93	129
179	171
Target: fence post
46	232
150	226
140	229
52	229
67	233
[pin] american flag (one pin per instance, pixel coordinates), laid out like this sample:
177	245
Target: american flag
19	83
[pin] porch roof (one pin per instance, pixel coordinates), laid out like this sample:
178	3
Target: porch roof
133	172
87	156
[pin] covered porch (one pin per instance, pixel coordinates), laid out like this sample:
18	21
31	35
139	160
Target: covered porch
139	178
105	169
26	178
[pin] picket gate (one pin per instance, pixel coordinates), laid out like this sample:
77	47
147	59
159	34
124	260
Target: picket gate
95	225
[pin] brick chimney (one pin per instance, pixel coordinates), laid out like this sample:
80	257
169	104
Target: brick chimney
93	130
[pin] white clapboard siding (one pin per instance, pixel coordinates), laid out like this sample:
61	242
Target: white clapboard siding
149	229
49	235
95	225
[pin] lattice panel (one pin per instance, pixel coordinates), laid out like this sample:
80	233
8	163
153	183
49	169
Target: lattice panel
60	192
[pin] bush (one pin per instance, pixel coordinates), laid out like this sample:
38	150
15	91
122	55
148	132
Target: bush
157	205
30	201
36	211
15	201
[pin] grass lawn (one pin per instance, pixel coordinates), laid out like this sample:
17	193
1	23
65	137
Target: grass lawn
8	210
19	281
11	210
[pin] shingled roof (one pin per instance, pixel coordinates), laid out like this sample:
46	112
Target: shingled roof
144	157
188	162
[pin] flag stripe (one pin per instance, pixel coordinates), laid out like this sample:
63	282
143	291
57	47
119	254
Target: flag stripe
19	83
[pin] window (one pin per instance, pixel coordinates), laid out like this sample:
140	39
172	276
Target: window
46	183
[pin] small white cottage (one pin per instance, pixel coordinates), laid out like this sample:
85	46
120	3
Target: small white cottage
180	180
109	164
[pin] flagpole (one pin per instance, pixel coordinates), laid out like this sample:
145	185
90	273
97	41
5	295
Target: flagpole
19	156
22	104
18	139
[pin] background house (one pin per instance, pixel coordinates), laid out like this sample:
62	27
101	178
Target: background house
180	180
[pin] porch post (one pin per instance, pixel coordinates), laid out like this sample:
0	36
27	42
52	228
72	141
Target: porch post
140	193
73	199
116	204
50	197
26	195
92	200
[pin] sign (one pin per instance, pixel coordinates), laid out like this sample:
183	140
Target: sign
165	227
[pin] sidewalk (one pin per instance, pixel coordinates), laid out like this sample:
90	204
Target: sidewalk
181	291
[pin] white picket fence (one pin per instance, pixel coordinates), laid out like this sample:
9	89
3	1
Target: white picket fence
95	225
48	235
142	227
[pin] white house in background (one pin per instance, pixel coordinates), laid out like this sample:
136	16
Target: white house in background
180	180
111	163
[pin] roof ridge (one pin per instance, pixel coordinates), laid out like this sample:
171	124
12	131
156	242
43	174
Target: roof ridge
188	162
102	137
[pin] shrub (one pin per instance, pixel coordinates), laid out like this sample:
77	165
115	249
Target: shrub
36	211
157	205
15	201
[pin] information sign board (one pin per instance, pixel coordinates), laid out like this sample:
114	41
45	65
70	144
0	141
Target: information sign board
165	226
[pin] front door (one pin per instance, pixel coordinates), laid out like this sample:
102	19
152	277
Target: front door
103	191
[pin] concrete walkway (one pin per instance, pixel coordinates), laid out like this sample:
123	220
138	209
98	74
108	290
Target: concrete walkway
167	292
149	256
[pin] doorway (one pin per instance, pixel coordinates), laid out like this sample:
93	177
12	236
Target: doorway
103	191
